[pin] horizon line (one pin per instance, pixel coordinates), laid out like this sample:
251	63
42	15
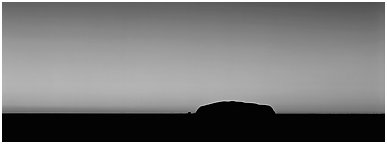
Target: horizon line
149	113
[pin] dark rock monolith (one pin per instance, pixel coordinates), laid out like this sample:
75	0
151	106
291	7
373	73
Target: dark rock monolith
233	108
235	120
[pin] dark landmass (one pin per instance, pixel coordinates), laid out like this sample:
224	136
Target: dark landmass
233	108
258	124
188	127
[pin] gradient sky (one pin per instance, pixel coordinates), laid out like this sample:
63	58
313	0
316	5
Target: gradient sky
175	57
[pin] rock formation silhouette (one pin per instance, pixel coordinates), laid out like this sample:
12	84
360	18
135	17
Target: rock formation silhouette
233	108
233	121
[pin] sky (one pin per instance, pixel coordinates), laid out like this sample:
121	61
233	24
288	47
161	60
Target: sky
175	57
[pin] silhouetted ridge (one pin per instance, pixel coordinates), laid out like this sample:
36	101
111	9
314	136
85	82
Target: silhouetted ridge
232	120
235	108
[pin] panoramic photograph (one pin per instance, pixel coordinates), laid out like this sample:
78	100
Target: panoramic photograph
193	71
